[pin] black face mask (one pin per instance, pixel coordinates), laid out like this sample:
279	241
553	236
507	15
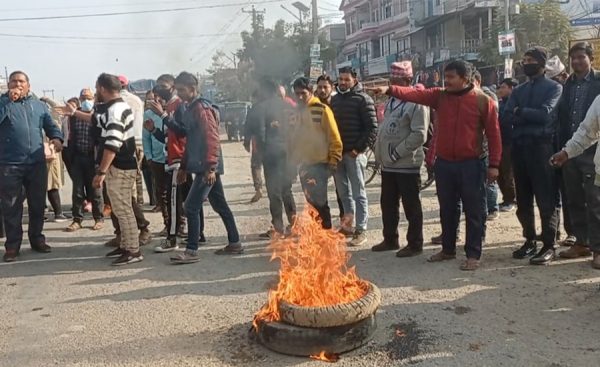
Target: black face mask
531	69
164	93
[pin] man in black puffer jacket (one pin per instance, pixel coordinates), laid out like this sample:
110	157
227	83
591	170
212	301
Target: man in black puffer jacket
355	114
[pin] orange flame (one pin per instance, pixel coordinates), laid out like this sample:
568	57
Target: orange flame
326	357
314	269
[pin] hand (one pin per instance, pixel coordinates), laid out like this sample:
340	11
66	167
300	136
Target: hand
354	153
558	159
66	110
210	178
149	125
14	94
98	181
492	174
58	147
181	177
378	91
156	107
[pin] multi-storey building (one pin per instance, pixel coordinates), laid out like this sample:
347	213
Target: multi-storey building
429	32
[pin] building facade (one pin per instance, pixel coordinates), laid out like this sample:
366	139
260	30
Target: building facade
428	32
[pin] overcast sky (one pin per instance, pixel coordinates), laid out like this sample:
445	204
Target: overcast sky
123	44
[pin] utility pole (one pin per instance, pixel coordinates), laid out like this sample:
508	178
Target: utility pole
6	75
255	13
507	29
315	22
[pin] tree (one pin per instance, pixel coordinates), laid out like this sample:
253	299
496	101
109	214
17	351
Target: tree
540	24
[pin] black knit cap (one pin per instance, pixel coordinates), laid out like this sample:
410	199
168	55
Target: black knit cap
539	53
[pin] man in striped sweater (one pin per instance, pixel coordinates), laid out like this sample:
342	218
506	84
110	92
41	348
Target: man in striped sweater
117	162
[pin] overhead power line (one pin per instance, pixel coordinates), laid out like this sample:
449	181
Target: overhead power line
115	38
95	15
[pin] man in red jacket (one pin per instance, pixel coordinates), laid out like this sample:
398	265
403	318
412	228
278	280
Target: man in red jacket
465	116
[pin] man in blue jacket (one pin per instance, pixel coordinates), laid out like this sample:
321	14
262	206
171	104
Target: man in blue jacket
531	110
23	121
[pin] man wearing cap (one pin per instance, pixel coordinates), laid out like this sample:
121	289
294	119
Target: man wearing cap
556	70
531	109
399	150
81	143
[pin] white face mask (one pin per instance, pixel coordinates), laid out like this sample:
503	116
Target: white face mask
87	105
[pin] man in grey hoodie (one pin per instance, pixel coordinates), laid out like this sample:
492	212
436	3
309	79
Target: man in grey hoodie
399	150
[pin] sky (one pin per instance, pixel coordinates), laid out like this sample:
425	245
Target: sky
76	50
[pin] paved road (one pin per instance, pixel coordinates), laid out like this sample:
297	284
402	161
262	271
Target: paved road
70	308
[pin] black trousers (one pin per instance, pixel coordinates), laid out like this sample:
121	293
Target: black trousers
279	190
456	182
536	179
176	195
160	188
82	173
2	233
18	182
314	179
396	187
583	199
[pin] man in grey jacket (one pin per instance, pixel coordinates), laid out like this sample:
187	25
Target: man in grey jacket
399	151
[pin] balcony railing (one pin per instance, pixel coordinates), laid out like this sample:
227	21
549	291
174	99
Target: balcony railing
471	46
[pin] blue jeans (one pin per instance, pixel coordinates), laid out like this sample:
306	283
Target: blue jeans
462	181
199	192
491	191
350	181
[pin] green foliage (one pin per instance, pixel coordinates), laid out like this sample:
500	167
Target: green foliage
540	24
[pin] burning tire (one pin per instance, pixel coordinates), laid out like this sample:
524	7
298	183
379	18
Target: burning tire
301	341
329	316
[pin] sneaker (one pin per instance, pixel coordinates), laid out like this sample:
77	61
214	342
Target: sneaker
544	257
42	248
118	252
114	242
231	249
493	215
345	232
145	237
60	218
270	234
167	245
128	258
527	250
507	207
73	227
359	239
569	241
186	257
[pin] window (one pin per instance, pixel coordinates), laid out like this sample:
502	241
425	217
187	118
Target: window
403	6
386	9
385	44
377	48
403	45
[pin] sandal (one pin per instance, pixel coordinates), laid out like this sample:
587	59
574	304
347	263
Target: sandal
231	250
98	226
73	227
470	265
441	256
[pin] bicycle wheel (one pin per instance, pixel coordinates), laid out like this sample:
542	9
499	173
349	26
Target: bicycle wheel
372	167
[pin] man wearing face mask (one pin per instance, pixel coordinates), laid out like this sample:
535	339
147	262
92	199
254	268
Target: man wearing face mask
531	109
80	140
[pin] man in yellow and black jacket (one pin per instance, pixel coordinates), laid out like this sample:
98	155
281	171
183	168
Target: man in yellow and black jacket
316	147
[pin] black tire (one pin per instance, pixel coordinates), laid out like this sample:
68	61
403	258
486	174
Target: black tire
330	316
301	341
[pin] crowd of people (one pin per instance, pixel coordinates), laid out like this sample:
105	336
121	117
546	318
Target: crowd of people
532	141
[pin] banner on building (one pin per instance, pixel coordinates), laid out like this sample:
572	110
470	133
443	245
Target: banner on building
315	51
507	44
315	71
508	68
429	59
595	42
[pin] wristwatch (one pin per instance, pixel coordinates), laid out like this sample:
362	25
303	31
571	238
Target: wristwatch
100	173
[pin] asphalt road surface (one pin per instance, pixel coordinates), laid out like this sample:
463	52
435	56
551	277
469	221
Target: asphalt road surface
71	308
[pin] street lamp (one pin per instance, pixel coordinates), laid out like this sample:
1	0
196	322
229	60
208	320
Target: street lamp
302	9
